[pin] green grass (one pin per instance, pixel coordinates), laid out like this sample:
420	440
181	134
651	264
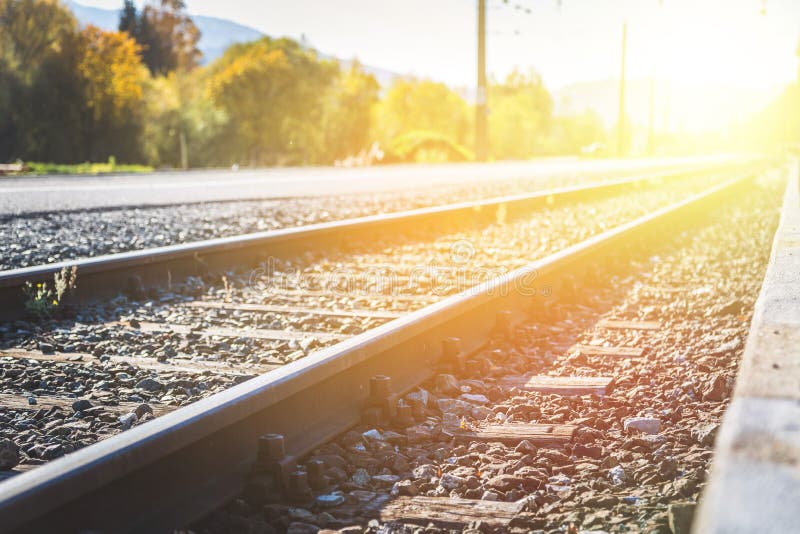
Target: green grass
83	168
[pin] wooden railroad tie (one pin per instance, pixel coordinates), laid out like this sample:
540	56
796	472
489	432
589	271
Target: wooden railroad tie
445	512
275	308
615	352
334	294
616	324
170	365
512	434
13	401
560	385
221	331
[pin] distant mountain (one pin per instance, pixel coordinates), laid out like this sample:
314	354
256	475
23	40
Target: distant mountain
216	34
694	106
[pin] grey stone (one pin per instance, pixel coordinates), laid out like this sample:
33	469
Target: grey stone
142	410
454	406
474	399
361	477
150	385
705	434
373	435
617	475
447	384
452	482
128	420
405	488
9	454
81	405
425	471
330	500
645	425
387	480
298	527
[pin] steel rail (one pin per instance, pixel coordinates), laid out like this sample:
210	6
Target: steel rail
168	472
109	275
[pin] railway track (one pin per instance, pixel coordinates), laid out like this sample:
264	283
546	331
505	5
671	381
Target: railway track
202	454
104	276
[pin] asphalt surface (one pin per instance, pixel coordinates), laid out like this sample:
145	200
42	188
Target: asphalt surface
31	194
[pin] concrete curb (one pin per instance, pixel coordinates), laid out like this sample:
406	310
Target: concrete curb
754	485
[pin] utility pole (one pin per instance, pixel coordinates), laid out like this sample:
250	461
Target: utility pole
797	98
621	123
481	120
651	137
651	134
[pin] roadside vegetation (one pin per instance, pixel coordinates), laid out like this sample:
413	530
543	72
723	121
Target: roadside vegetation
71	94
83	168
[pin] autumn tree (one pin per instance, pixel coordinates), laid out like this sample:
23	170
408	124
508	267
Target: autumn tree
114	79
272	93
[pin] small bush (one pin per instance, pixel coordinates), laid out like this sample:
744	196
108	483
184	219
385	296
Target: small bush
84	168
42	300
425	147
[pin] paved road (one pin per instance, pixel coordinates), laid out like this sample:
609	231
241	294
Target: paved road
28	194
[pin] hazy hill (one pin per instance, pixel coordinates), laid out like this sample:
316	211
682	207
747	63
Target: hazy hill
694	106
216	35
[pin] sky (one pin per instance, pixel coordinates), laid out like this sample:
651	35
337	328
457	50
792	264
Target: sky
726	41
696	49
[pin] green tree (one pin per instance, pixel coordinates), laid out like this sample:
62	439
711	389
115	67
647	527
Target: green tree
412	105
129	19
571	133
32	34
166	33
520	116
31	31
177	108
272	92
347	121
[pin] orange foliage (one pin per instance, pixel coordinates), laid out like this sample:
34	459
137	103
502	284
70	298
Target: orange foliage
113	72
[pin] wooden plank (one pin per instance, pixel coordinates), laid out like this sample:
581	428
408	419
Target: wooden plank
11	167
14	401
665	289
169	365
617	352
513	434
421	268
334	294
276	308
322	281
445	512
616	324
560	385
221	331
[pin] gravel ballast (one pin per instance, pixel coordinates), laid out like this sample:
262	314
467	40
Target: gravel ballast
640	456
